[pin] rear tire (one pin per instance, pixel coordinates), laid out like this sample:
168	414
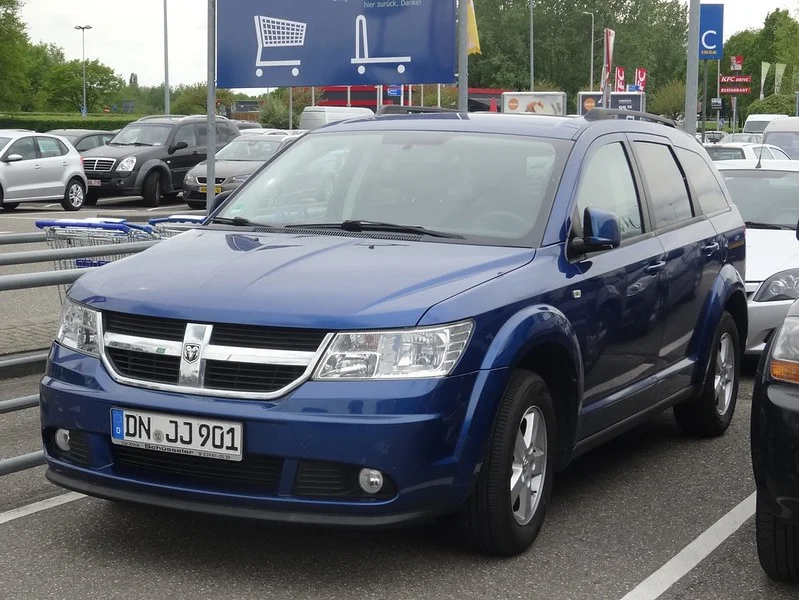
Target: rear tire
151	190
92	197
710	413
506	510
74	196
196	204
777	543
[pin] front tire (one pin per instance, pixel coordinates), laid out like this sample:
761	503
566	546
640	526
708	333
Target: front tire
195	204
151	191
711	412
9	205
506	510
74	196
92	197
777	543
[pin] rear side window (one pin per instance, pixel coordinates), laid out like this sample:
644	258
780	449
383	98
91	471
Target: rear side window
709	193
665	184
786	140
608	183
87	143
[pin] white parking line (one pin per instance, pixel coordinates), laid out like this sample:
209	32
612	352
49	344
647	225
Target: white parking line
694	553
161	208
24	511
51	205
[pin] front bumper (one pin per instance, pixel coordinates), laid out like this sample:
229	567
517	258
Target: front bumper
113	183
775	445
194	193
425	436
764	318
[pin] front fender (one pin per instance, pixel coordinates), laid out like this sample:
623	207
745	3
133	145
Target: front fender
147	167
727	283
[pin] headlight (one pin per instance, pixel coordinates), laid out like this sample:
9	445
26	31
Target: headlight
78	328
782	286
190	179
240	178
127	164
411	353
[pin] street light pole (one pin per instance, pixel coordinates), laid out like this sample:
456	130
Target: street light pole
166	62
84	110
532	45
592	48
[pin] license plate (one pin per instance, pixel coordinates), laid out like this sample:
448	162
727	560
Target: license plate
176	434
217	189
94	183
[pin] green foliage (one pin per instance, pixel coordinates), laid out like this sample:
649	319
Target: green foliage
781	104
65	85
46	122
13	46
669	101
193	99
275	112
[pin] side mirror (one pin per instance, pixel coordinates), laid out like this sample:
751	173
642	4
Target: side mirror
13	158
797	230
218	200
601	231
178	146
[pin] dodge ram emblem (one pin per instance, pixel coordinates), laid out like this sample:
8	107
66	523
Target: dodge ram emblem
191	352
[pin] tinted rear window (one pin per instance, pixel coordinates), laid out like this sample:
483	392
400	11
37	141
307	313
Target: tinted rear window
725	153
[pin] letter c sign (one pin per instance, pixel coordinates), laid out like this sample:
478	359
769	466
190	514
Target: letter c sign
705	43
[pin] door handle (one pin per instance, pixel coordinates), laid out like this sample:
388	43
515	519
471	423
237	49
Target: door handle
711	247
655	268
37	166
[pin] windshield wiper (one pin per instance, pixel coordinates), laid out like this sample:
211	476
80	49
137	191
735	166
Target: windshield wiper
759	225
360	226
237	221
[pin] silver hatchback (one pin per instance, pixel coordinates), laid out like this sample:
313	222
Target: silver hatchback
39	167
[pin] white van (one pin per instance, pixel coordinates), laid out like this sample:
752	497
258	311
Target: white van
758	123
316	116
784	133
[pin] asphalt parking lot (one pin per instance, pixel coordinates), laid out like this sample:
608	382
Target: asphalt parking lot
619	517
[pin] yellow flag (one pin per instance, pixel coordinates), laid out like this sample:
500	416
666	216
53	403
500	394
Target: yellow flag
473	37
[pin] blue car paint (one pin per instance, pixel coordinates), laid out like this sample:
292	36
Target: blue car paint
429	436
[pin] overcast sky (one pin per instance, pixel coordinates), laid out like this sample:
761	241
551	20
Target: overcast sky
129	36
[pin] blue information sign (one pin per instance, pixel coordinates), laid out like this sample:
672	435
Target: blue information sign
282	43
711	31
394	91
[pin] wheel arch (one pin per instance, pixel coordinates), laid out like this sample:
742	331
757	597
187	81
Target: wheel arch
149	167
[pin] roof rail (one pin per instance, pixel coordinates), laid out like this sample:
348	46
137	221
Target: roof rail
221	117
148	117
597	114
395	109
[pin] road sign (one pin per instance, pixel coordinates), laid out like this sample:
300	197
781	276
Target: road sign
283	43
735	79
711	31
715	103
732	90
394	91
633	88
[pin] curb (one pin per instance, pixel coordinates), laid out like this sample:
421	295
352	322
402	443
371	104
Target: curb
23	365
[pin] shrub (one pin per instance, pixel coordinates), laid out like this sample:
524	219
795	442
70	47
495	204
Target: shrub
45	122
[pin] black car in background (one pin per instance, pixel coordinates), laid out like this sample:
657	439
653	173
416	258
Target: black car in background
84	139
151	156
775	451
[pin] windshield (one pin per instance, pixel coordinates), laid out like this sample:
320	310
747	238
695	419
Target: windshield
149	134
765	197
492	189
3	142
746	138
785	140
717	153
254	150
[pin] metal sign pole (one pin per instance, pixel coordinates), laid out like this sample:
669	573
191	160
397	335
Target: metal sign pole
166	63
692	74
463	56
291	108
704	104
211	108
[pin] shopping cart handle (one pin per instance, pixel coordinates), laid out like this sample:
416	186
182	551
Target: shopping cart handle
77	223
177	219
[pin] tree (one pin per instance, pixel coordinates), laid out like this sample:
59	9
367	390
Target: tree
13	44
193	99
669	100
65	85
41	59
275	112
775	104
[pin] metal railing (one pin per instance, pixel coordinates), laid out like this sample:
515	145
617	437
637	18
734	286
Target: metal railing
44	279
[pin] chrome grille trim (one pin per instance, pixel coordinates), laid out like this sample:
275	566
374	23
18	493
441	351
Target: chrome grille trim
99	164
192	373
218	180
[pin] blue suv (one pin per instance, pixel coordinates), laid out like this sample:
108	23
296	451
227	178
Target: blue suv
405	317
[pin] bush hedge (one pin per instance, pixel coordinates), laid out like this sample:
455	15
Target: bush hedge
45	122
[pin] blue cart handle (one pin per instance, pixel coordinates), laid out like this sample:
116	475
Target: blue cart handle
177	219
64	223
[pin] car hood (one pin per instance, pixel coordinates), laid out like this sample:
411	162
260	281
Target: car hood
120	151
228	168
769	252
300	280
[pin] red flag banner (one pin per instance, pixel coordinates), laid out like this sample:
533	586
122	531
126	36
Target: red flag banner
640	78
620	86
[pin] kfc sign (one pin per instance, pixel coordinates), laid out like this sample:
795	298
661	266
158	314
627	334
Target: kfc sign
736	63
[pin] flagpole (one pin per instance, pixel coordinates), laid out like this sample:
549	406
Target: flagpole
463	56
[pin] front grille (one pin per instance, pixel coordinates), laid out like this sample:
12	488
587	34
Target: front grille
218	180
273	338
249	377
156	328
146	366
261	473
98	164
79	448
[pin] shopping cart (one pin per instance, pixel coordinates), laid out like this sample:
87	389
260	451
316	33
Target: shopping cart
278	33
362	57
82	233
166	227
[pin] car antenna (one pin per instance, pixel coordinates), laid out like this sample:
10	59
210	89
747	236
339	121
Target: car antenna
759	164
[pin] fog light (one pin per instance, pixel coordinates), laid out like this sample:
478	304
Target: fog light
62	439
370	480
